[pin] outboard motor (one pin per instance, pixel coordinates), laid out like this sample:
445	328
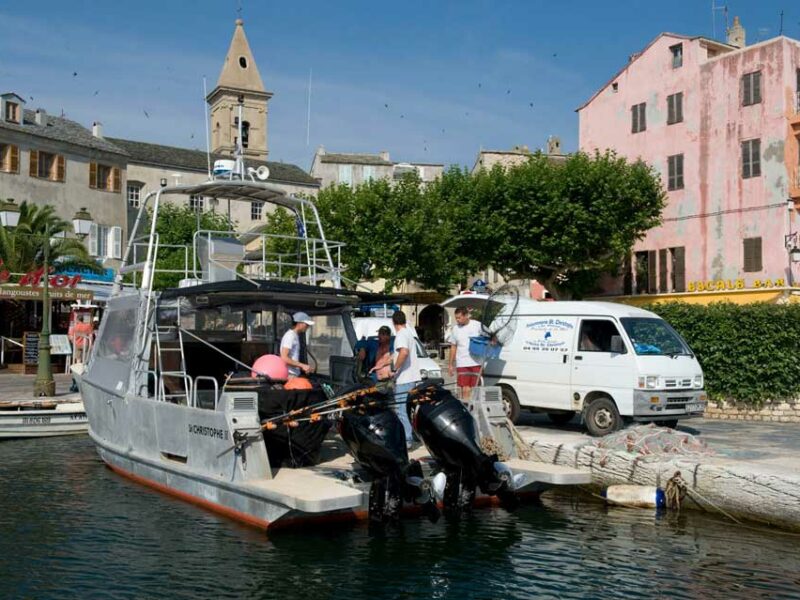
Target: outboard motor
376	438
449	433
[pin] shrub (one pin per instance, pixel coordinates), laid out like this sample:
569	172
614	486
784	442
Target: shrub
749	353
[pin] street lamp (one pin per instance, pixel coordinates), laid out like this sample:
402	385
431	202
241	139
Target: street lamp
792	247
45	385
9	213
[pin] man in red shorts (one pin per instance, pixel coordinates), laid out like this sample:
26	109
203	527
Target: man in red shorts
466	367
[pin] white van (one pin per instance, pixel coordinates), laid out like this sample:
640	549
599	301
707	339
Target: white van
609	362
367	327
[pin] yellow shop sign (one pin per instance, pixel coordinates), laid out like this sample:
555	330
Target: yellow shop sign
720	285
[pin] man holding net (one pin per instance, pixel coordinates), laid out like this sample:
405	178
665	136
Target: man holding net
467	368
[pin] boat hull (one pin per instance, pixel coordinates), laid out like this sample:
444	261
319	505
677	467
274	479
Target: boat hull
64	419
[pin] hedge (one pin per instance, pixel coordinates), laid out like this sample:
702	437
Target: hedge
749	353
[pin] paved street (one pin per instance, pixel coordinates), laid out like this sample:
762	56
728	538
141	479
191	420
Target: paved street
14	386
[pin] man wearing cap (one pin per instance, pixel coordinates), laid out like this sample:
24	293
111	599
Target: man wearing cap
290	344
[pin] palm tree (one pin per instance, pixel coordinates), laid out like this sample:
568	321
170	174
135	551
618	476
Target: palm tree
22	248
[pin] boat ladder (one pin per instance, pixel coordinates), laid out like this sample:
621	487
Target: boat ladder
168	369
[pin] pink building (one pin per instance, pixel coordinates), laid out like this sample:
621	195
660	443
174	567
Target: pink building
721	124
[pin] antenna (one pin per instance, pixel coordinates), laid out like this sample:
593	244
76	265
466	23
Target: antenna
714	9
208	138
780	31
239	148
308	113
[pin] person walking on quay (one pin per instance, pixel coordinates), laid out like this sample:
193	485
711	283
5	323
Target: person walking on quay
406	370
466	367
290	344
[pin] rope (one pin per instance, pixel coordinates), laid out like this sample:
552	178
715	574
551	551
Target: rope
675	491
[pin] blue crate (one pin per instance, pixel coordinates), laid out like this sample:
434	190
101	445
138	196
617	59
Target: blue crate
480	347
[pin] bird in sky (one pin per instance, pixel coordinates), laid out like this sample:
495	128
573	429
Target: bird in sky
386	106
145	113
530	104
74	73
508	92
96	92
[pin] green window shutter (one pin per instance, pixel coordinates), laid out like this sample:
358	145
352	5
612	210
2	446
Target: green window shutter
679	269
662	270
652	274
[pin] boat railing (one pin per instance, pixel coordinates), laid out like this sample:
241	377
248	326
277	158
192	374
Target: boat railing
186	393
314	260
8	341
197	381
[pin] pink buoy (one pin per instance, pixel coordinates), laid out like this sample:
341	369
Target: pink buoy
272	366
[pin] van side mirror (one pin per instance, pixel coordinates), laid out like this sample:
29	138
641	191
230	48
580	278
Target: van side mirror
433	355
617	347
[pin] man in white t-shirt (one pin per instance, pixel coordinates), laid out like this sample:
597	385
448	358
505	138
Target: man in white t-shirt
290	344
466	367
406	370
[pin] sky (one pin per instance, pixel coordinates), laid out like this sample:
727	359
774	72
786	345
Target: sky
429	81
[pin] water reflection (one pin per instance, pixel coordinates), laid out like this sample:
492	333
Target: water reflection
71	528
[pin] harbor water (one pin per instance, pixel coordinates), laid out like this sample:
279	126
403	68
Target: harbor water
70	528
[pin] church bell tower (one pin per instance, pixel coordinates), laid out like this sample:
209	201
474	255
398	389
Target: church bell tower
239	83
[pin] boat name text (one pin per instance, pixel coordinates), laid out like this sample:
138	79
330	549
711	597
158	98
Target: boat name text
213	432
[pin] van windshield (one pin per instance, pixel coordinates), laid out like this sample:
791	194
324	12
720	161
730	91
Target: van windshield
654	337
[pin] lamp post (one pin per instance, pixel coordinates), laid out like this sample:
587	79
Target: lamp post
45	385
793	249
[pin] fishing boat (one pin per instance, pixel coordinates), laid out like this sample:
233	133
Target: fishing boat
174	401
42	418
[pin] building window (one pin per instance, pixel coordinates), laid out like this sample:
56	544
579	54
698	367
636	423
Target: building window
346	174
104	177
256	211
196	203
638	121
678	264
245	134
369	172
45	165
615	87
134	195
105	241
751	88
675	108
9	158
12	112
751	158
677	55
675	172
646	272
752	255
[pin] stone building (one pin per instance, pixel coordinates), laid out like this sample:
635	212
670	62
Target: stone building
487	159
332	168
721	123
48	160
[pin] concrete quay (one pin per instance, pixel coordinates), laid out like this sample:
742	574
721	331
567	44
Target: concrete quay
753	474
14	387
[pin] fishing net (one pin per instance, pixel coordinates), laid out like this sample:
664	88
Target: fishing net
653	441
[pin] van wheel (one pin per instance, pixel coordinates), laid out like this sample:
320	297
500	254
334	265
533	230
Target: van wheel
561	418
602	417
511	404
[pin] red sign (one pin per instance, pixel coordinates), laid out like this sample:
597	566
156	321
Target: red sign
34	278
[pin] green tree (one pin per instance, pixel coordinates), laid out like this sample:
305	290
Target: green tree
399	231
22	248
176	226
565	224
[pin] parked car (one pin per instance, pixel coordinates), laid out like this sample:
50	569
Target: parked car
607	362
367	327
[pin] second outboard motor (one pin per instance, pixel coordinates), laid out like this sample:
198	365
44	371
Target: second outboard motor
449	433
376	438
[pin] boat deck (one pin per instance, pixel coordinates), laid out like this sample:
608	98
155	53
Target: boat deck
335	483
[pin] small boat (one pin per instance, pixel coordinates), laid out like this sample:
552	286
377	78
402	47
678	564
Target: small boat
42	418
175	402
